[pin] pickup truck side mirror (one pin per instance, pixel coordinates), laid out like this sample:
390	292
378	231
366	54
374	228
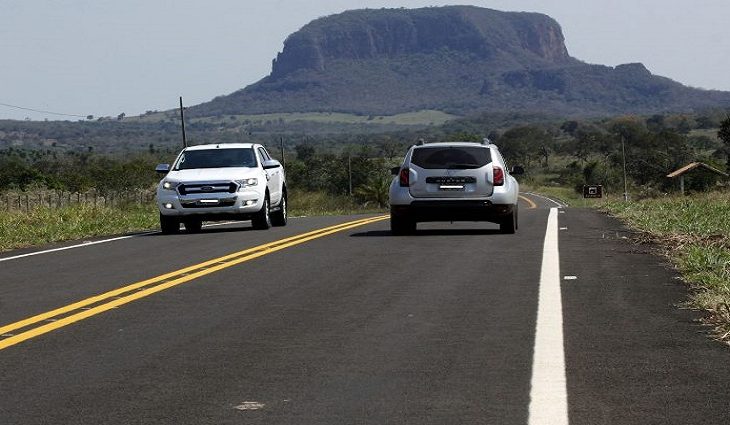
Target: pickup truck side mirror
270	163
517	170
163	168
395	170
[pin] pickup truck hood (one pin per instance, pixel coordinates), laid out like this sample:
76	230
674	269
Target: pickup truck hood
212	174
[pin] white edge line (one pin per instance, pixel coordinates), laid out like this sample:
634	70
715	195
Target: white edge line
119	238
85	244
81	245
559	204
548	389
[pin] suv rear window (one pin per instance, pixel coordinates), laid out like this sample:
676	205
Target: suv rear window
452	157
216	158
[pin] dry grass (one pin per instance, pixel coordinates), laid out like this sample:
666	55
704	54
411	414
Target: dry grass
43	225
695	234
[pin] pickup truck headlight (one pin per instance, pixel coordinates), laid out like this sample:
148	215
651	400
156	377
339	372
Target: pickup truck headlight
167	185
248	182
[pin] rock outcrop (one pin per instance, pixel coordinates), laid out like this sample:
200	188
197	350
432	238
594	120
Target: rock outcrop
525	38
458	59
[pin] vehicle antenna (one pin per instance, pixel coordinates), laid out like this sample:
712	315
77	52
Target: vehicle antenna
182	123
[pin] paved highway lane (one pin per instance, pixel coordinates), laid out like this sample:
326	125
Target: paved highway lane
353	327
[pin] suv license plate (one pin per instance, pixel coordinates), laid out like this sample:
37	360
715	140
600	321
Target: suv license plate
208	201
451	187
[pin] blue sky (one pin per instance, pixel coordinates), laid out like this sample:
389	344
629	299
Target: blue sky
101	57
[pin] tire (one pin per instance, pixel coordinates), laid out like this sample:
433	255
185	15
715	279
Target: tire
279	218
402	225
193	225
508	226
169	225
262	219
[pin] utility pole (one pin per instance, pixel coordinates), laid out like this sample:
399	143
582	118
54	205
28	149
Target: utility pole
283	160
349	169
182	122
623	152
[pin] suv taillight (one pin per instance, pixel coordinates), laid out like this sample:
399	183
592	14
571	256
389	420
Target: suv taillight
404	177
498	176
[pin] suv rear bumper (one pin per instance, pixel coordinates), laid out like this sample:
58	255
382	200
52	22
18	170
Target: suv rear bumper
456	210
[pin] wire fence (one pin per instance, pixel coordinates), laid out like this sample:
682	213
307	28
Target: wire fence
28	201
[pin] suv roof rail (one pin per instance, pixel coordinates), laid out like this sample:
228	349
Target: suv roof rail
420	142
486	141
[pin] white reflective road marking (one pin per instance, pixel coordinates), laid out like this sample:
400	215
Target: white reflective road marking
250	405
559	204
81	245
548	393
85	244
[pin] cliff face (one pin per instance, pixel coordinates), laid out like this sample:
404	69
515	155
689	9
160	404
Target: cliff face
525	38
458	59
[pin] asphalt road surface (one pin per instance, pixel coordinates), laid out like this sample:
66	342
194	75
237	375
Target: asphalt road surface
331	320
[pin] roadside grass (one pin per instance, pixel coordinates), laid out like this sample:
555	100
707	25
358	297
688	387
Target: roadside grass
695	234
321	203
43	225
566	195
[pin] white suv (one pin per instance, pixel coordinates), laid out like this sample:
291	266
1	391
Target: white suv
235	181
453	182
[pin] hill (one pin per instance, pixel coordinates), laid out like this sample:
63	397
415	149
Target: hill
456	59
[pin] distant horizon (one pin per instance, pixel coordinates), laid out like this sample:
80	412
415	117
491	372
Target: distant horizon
103	58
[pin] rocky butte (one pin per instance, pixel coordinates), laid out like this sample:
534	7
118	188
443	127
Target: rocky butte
457	59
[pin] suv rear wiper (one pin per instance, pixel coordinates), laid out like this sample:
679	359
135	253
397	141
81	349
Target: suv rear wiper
457	166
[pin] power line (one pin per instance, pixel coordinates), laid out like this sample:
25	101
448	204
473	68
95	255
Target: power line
42	112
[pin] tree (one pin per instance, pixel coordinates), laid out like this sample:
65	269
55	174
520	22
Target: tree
519	143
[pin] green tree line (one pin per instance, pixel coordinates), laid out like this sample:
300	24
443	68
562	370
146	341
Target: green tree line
556	152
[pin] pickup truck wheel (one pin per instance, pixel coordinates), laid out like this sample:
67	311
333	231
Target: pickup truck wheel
278	218
169	225
402	225
262	219
193	225
508	225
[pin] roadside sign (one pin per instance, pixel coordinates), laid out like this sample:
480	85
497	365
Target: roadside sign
593	191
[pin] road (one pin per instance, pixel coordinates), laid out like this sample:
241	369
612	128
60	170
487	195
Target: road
565	322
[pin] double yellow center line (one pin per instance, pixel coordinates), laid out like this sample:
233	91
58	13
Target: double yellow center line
43	323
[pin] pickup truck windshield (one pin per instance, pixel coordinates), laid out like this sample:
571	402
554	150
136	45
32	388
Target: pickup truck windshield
216	158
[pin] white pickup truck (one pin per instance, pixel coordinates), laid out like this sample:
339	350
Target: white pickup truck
232	181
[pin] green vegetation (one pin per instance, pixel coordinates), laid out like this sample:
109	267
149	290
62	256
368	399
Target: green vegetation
22	169
321	203
46	225
695	232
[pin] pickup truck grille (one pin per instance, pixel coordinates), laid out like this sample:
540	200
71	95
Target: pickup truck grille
207	188
201	204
